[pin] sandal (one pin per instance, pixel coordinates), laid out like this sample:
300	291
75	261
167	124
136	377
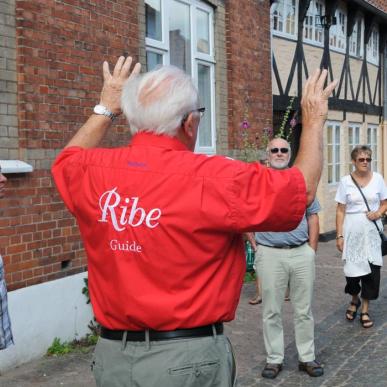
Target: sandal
366	323
350	315
255	300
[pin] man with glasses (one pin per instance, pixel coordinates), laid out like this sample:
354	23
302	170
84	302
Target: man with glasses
286	259
162	226
6	338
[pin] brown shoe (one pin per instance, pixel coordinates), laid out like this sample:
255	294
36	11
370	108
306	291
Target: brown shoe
271	370
312	368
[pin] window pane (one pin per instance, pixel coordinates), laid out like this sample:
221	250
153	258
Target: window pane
153	59
329	139
337	177
330	174
153	19
330	156
179	36
204	86
337	135
203	31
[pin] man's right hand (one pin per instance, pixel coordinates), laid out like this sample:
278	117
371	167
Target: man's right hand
314	105
114	82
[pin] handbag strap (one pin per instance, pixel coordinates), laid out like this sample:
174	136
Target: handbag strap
365	201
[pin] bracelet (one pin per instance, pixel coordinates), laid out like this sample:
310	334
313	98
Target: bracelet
339	237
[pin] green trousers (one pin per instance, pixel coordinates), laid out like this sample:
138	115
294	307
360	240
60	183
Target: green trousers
196	362
278	269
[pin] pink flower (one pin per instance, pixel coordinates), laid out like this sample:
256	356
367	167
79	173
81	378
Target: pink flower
293	122
245	124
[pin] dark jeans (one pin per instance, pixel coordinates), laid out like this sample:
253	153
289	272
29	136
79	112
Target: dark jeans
368	284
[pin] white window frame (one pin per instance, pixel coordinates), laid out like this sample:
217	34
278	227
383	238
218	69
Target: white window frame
314	14
372	133
373	46
338	32
355	128
283	5
163	47
334	126
354	49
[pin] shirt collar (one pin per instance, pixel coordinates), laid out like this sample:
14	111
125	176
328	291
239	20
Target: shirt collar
158	140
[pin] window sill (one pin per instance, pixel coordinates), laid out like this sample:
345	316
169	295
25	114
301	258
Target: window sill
15	166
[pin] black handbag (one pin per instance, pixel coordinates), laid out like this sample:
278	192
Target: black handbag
381	233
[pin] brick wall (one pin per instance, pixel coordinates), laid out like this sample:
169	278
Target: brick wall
248	68
8	97
60	49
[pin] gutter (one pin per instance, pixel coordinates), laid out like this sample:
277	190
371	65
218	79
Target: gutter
371	8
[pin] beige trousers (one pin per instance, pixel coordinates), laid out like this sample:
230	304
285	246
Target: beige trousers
197	362
277	268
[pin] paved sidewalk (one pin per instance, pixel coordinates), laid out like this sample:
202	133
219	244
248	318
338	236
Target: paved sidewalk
352	356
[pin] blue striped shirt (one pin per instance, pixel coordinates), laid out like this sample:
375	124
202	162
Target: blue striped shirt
6	338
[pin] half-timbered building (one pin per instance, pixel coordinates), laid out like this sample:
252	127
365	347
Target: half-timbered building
349	39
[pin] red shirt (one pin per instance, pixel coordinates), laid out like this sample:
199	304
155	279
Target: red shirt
162	228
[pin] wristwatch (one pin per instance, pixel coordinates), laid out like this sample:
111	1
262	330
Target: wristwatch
104	111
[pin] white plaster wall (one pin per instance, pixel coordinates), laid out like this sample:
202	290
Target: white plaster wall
42	312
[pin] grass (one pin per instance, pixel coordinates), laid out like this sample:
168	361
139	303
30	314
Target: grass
84	345
249	276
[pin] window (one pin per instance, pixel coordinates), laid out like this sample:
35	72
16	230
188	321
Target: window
337	33
313	31
356	39
333	145
353	140
372	137
181	33
373	46
284	17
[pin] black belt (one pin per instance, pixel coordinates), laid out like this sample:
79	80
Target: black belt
284	246
162	335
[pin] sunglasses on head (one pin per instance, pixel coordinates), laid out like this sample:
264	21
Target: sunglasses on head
363	159
276	150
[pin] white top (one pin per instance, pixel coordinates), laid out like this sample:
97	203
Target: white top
348	194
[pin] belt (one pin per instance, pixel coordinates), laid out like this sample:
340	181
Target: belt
202	331
284	246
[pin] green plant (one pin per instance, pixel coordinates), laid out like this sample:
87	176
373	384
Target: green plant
59	348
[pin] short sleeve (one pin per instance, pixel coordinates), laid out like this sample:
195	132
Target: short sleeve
341	196
265	199
67	172
313	208
383	189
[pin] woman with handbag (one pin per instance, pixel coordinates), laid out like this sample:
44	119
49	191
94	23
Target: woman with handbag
361	203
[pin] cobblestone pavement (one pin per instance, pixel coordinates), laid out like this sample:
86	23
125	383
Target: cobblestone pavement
351	355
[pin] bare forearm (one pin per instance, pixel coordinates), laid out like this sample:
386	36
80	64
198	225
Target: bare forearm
310	157
340	213
314	230
92	132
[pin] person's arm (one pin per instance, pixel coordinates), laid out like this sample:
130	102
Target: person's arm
314	104
375	215
94	129
314	230
250	236
340	214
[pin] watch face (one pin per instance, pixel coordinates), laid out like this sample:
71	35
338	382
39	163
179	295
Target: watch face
99	109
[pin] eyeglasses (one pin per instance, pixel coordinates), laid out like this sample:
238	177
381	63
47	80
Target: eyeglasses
200	110
276	150
364	159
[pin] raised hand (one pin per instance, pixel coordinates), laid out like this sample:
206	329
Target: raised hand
113	82
314	102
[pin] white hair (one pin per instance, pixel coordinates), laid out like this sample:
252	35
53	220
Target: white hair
158	101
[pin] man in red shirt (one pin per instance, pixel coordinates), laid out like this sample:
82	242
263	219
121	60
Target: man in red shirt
162	226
